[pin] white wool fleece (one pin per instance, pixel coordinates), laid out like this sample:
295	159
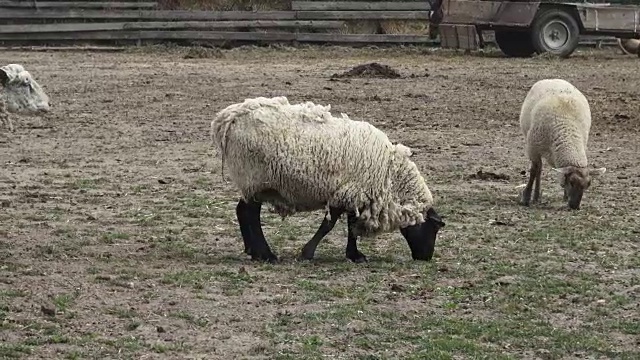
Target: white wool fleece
555	119
19	93
314	160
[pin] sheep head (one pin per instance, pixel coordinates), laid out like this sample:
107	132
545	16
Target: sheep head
404	150
422	237
575	180
22	94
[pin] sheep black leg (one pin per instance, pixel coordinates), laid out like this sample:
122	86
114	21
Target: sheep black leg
537	191
259	248
309	248
526	193
245	225
352	251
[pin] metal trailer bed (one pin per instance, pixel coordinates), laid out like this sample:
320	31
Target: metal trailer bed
523	28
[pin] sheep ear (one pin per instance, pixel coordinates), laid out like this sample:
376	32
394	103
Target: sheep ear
565	170
431	214
597	172
4	77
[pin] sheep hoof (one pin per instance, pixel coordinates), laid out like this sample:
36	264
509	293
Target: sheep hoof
307	252
269	257
524	201
305	257
357	257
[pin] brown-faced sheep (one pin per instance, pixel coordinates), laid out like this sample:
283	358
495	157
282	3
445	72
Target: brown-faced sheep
555	120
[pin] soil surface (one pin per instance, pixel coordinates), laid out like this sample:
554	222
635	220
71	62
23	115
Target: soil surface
118	235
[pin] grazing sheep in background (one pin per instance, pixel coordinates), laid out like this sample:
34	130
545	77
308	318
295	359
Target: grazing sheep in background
555	119
298	157
20	94
629	46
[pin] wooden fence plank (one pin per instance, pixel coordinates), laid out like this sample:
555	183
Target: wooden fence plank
211	15
148	15
359	5
77	4
246	36
364	38
152	35
215	35
159	25
362	15
48	48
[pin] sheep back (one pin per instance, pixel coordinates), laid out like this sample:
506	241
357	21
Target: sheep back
555	119
298	157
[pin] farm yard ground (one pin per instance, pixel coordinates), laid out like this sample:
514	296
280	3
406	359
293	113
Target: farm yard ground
118	236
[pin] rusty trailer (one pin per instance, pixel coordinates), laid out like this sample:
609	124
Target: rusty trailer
523	28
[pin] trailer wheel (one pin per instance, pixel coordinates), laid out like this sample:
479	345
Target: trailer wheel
515	43
555	31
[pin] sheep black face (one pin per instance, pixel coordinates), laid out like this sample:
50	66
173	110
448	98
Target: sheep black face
422	238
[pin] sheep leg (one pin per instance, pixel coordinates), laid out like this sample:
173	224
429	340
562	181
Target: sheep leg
258	246
537	190
309	248
526	193
245	226
352	251
6	120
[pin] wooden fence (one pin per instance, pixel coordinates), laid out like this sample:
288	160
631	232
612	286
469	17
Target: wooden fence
53	22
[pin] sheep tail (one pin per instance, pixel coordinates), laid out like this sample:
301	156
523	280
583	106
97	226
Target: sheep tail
227	117
225	142
217	128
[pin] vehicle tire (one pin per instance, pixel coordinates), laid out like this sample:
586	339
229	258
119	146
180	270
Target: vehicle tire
555	31
515	43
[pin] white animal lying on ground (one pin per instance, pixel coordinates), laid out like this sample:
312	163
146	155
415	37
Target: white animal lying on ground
20	94
298	157
555	120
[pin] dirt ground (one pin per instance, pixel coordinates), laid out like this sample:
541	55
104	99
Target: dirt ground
118	236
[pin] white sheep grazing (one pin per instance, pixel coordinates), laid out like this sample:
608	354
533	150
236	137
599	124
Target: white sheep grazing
555	119
20	93
298	157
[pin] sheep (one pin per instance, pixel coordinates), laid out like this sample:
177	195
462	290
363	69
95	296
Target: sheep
555	120
300	158
20	94
629	46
